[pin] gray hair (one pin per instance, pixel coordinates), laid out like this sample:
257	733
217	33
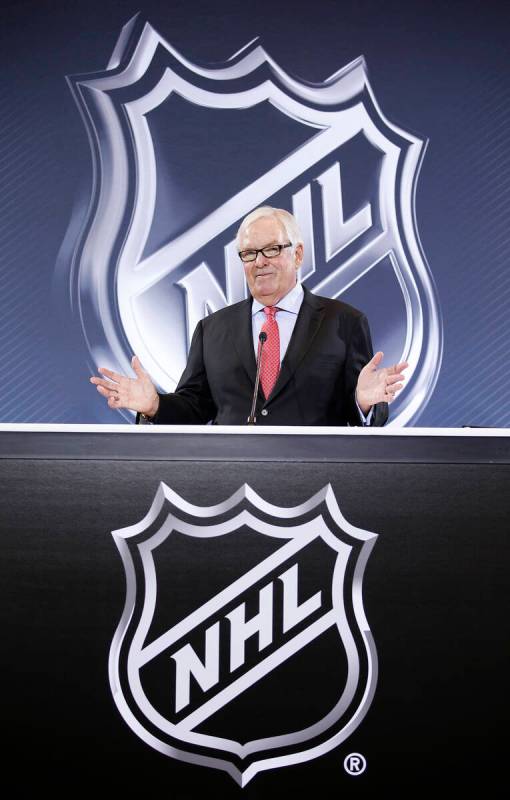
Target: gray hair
285	218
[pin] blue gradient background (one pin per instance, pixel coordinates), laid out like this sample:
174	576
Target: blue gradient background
438	69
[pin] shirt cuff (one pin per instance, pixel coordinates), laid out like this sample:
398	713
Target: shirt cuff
141	419
365	420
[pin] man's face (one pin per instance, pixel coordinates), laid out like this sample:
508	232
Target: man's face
270	279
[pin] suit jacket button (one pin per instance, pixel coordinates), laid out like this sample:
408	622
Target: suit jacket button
264	412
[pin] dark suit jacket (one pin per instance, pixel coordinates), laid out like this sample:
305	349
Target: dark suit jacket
329	346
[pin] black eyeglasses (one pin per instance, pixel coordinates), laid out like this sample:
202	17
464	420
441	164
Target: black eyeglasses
270	251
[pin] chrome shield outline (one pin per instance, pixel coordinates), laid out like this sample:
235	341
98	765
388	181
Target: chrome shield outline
105	281
296	537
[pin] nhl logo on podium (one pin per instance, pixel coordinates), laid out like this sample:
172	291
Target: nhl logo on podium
243	644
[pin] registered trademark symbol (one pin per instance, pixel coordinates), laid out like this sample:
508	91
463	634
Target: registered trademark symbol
355	764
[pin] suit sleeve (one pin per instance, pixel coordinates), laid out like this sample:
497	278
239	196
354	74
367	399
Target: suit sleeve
191	403
359	353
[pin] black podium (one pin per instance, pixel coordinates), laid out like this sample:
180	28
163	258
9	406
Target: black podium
253	612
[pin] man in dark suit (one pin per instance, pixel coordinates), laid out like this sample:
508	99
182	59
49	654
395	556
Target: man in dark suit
317	366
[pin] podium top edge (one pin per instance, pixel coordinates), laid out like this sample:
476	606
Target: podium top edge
236	430
286	444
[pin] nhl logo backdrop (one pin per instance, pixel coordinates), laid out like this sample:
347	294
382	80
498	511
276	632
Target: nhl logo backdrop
182	152
259	654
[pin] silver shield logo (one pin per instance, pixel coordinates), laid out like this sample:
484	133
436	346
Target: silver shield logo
182	152
231	611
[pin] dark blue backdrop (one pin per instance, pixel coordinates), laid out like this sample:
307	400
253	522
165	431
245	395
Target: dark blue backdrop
440	70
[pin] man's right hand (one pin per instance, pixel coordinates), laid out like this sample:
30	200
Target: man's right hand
138	394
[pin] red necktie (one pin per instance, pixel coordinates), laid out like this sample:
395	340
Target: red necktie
270	366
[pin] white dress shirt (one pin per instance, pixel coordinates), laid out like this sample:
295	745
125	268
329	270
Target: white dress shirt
288	310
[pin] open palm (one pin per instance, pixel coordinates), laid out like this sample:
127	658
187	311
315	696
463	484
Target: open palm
137	394
379	385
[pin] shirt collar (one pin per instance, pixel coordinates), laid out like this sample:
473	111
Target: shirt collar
291	302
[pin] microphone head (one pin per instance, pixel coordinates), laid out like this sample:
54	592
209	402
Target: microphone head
262	337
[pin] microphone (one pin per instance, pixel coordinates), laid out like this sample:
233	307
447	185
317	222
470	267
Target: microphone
252	418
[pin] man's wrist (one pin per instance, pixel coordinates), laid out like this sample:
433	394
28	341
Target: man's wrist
152	411
363	407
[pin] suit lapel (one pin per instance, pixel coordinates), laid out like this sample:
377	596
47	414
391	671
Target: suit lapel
242	337
307	324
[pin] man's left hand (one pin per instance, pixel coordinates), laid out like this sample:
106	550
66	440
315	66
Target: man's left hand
379	385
